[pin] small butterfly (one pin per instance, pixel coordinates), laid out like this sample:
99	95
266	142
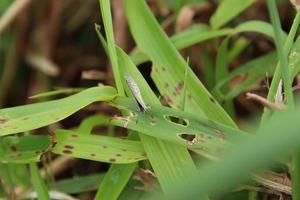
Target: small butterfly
136	93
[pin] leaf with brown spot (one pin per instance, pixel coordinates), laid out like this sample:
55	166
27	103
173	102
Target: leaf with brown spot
98	148
42	114
29	148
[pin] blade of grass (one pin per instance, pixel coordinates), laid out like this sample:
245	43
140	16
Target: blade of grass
106	17
225	13
28	148
98	148
12	120
285	75
282	54
79	184
106	191
277	75
222	64
39	184
252	71
201	33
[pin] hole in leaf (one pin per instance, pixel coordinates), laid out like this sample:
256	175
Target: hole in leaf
177	120
190	138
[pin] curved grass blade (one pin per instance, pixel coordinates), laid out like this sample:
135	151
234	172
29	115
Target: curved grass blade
200	33
251	72
225	13
66	91
32	116
98	148
88	123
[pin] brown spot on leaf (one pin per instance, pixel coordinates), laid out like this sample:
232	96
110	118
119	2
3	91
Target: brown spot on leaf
13	148
112	160
69	147
66	151
104	147
166	85
93	155
212	99
124	149
221	136
118	155
179	107
74	135
167	99
153	122
25	118
3	120
179	86
189	97
164	69
174	94
18	154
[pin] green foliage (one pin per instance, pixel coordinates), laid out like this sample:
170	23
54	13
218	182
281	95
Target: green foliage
163	137
225	11
23	149
98	148
24	118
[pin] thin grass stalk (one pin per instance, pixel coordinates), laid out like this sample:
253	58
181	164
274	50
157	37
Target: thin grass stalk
282	55
276	78
39	184
107	21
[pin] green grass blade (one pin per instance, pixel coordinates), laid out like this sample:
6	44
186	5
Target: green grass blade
79	184
277	76
106	17
200	33
86	126
24	149
225	13
32	116
66	91
121	170
252	71
39	184
98	148
211	137
281	53
294	59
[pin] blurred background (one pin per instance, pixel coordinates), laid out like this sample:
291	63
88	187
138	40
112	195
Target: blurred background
52	44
